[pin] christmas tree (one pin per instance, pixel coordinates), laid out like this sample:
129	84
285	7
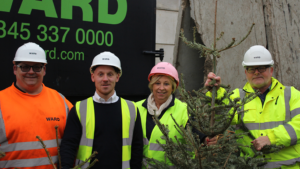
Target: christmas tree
211	115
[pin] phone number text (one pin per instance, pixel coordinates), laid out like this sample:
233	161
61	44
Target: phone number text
56	34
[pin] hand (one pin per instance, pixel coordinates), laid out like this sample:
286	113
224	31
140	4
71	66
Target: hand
211	141
260	142
210	77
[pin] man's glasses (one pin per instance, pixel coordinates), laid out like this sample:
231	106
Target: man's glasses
26	68
260	69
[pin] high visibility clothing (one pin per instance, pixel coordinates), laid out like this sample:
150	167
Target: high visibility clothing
278	119
86	114
151	148
22	118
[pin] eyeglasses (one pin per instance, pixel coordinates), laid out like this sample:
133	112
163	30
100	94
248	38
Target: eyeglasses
260	69
27	68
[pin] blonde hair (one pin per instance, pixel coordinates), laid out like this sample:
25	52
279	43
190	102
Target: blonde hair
155	78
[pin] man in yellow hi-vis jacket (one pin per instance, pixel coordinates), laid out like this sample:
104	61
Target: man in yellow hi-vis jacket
272	117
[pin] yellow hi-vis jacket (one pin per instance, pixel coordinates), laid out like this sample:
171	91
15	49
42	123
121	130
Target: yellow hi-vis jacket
151	148
278	119
86	114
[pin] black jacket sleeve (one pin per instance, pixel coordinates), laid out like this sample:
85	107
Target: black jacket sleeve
137	144
195	131
201	135
70	140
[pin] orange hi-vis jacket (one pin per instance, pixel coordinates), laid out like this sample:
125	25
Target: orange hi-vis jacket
22	118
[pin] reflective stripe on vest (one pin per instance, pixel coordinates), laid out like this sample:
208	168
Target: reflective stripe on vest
145	141
269	125
33	145
86	144
27	162
278	164
3	138
155	147
66	106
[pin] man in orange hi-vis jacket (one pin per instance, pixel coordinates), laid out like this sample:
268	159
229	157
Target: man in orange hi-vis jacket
28	108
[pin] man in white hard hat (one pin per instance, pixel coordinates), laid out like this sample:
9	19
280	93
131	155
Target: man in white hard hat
272	117
28	108
104	123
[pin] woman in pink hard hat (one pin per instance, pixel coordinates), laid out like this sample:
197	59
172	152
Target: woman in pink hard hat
163	81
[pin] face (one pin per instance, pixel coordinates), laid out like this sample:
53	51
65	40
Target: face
259	80
162	89
29	80
105	79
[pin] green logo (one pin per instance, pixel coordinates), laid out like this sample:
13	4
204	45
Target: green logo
67	9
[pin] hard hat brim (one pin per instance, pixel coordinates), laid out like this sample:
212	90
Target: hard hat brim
105	65
271	63
23	60
163	74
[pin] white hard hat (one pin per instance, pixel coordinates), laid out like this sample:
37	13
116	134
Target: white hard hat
107	58
30	52
257	55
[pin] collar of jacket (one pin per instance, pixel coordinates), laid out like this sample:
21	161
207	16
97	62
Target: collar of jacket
170	105
275	85
15	84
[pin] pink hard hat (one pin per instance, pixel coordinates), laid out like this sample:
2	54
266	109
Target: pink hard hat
164	68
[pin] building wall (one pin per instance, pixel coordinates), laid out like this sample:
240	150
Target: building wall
282	20
276	27
234	18
168	20
188	61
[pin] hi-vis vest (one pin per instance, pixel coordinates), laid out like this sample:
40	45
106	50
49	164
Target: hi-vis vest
151	148
278	119
22	118
86	114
